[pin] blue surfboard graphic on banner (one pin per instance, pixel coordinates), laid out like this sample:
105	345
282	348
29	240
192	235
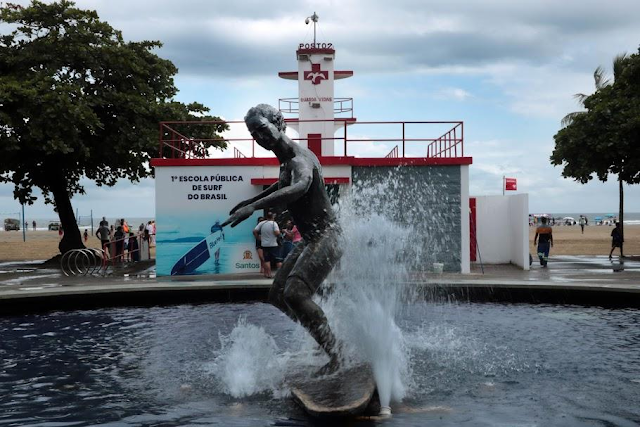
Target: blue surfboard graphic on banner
205	249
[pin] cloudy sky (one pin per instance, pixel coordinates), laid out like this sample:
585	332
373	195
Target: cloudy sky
508	69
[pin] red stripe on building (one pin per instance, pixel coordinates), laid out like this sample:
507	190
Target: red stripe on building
269	181
325	161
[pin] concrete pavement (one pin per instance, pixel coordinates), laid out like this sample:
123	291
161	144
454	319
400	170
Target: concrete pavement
28	286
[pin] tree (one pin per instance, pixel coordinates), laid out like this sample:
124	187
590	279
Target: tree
600	81
76	101
605	139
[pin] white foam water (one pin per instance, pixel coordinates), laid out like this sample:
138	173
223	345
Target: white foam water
365	296
248	361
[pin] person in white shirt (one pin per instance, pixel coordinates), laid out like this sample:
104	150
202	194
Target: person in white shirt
268	232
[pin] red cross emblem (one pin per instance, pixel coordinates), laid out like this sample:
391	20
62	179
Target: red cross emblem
316	75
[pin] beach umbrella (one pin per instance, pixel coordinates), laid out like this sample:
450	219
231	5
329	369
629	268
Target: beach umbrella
598	218
610	215
569	218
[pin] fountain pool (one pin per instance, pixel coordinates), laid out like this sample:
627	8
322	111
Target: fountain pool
225	364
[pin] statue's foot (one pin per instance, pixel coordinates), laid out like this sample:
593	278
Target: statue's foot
329	368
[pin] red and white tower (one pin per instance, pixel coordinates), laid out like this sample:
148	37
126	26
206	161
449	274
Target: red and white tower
316	105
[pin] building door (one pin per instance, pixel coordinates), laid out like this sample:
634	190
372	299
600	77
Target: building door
472	228
314	141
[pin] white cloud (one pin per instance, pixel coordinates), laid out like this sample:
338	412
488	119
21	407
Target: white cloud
519	59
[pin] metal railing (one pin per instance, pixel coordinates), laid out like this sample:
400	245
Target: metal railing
237	154
447	145
340	106
175	145
448	141
393	154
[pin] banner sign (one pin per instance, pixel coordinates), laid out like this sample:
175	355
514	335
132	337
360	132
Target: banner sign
191	203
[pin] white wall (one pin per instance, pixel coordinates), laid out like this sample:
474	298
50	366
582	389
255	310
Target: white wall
502	229
519	217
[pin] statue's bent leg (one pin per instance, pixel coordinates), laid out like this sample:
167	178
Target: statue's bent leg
276	293
299	298
312	266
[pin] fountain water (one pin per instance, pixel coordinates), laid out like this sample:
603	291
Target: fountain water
361	302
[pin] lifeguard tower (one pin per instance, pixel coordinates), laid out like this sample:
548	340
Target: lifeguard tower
194	190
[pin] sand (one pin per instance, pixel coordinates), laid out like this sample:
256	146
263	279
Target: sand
596	240
39	245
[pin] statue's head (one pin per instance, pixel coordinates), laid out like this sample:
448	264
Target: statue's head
265	123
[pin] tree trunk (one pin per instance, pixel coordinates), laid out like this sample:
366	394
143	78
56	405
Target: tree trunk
621	215
71	239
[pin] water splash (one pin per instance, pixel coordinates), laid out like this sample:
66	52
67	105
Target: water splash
362	304
366	296
248	361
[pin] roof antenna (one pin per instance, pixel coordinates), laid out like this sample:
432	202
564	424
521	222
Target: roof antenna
314	18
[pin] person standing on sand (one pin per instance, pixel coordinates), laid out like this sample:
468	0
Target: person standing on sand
583	222
119	241
544	236
34	225
104	235
616	239
134	251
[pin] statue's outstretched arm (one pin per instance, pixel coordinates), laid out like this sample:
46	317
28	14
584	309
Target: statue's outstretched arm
301	178
271	189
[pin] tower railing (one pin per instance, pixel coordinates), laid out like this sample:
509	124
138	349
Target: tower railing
341	106
392	139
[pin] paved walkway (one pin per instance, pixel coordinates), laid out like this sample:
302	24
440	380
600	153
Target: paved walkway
29	284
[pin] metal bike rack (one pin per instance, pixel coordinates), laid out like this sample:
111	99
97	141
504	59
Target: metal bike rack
83	262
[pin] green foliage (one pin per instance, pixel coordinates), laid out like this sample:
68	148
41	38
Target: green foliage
606	137
77	100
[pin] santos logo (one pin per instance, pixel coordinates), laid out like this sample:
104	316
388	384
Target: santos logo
247	255
243	265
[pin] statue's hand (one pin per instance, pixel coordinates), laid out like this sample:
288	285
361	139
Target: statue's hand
239	215
239	205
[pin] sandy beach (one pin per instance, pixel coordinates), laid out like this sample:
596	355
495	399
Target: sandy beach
39	245
568	240
596	240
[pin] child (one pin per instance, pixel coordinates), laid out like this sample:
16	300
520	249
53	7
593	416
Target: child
86	235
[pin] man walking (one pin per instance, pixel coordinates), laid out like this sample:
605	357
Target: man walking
544	236
583	222
301	189
616	239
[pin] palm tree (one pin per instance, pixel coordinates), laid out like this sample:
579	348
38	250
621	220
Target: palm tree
601	81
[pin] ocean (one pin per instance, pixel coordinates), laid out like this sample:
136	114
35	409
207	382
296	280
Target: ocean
630	218
84	222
